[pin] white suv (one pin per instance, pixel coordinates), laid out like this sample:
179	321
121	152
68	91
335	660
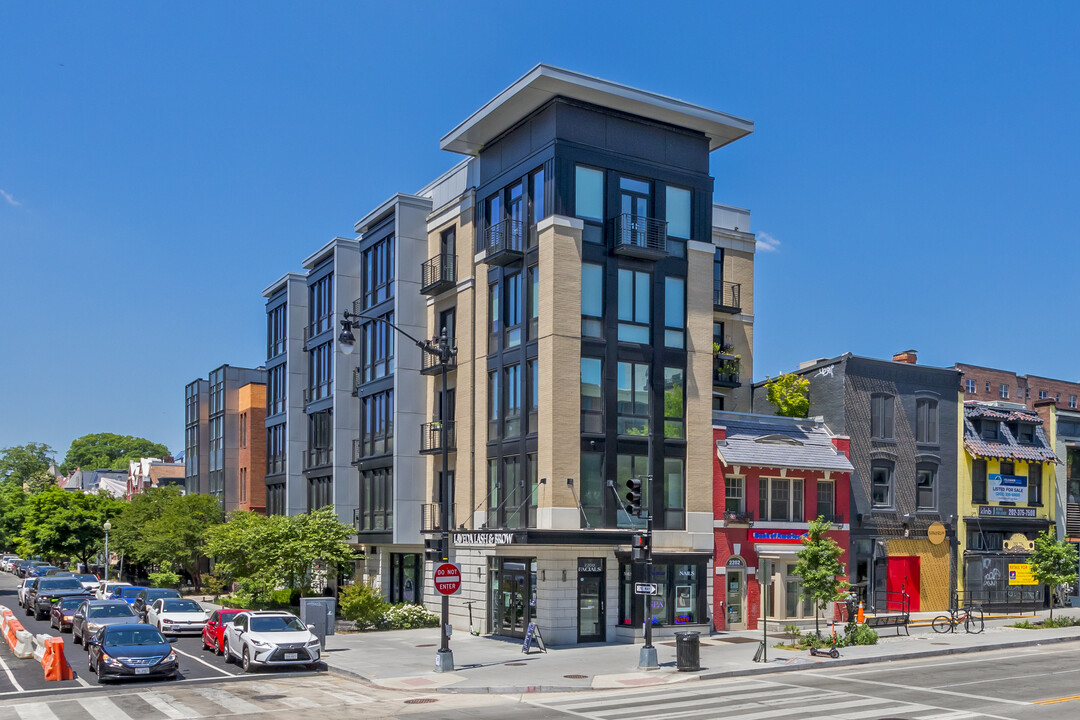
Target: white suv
270	638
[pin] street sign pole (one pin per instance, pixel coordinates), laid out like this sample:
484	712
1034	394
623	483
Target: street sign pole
444	659
647	657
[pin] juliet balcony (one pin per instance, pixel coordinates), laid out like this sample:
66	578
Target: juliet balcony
504	242
639	237
438	274
727	297
430	365
431	437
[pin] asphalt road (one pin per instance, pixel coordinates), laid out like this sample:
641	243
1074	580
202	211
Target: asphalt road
26	676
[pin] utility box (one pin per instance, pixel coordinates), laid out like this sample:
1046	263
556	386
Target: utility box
319	612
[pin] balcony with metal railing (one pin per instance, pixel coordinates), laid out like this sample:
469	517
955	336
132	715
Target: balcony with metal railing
318	392
431	516
727	297
318	457
430	365
738	517
504	242
639	237
726	370
438	274
431	437
319	326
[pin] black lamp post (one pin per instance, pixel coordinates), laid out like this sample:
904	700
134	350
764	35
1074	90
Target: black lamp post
440	348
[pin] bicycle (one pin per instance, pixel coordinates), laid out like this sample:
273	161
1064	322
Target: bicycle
947	623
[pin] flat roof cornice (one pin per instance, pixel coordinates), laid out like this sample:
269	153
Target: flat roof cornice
545	82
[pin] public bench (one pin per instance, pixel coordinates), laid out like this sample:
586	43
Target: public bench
890	609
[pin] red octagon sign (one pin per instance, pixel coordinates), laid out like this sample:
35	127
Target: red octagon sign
447	579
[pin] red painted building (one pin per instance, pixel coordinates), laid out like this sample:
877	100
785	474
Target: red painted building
772	476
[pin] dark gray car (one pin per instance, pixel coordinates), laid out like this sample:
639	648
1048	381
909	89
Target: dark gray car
93	615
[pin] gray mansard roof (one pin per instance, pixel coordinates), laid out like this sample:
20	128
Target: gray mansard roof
779	442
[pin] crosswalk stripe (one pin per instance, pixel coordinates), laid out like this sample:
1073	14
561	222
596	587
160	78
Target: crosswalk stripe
298	703
103	707
35	711
729	703
167	705
799	712
893	710
227	700
683	692
953	715
353	698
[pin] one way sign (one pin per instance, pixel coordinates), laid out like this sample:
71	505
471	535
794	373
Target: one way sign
644	588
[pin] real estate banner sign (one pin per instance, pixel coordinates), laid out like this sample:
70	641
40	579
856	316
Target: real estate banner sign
1020	574
1008	488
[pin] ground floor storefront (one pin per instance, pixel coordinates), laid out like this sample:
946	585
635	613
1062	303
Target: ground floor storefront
891	571
996	570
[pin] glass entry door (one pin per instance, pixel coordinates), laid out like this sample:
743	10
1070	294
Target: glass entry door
591	620
736	584
514	587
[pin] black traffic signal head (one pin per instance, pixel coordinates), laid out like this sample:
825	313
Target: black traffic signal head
433	549
639	549
633	497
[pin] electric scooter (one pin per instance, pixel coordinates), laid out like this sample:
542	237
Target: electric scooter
829	652
469	603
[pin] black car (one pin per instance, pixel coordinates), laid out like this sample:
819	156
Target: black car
146	598
62	612
41	570
130	651
48	590
25	566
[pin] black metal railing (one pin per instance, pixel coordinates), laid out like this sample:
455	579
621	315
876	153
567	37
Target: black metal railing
727	296
431	515
320	325
318	392
738	517
726	370
639	236
430	365
504	242
431	436
890	601
438	274
1012	600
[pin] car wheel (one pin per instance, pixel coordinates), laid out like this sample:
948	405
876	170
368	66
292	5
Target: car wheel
75	636
245	661
228	655
100	674
38	615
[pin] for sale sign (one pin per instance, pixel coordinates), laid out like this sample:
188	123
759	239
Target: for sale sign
447	579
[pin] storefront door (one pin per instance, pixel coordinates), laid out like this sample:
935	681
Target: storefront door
591	600
902	575
735	598
514	593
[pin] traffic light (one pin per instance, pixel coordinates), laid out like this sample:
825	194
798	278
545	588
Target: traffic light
639	550
433	549
633	498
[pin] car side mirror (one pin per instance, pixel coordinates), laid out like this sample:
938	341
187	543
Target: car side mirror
311	627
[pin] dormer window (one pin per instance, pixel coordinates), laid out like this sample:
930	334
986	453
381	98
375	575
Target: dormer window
989	429
1026	434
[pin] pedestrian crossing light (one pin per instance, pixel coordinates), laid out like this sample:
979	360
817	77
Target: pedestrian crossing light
633	497
433	549
639	550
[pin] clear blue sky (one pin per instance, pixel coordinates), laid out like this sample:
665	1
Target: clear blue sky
161	163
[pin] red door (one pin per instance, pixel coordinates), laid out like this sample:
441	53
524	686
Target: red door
902	575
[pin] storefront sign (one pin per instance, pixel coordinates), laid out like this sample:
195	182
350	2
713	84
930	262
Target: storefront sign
735	562
776	536
590	565
1008	488
1007	512
484	538
936	533
1020	574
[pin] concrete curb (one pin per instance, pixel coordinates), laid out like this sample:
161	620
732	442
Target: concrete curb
689	677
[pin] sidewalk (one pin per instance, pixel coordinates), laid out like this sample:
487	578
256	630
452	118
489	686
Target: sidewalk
404	660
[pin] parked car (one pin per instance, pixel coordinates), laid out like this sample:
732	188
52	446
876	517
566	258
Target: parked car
40	570
27	565
213	634
147	596
62	612
93	615
46	591
88	580
7	562
176	615
105	587
270	638
24	588
57	572
127	593
128	651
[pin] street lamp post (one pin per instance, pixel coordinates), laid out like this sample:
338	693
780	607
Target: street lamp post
107	527
440	348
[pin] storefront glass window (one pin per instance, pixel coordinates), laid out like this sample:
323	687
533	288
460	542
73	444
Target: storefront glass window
680	591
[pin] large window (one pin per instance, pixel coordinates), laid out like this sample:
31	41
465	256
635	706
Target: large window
493	405
320	370
320	492
275	390
635	297
674	311
321	305
377	340
978	481
534	301
781	499
674	396
626	467
494	321
378	264
1034	484
592	488
377	424
275	449
633	398
513	310
589	193
678	212
275	332
675	494
881	416
881	485
592	396
512	418
320	439
536	199
592	300
681	597
275	499
926	421
534	396
826	499
735	495
925	482
406	578
376	510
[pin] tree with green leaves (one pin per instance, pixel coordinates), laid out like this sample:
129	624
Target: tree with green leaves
819	568
27	465
316	541
1053	562
58	524
100	451
789	394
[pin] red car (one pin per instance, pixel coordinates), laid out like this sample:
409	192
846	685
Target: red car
213	633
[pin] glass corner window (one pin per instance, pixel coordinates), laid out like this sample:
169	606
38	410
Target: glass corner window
589	193
678	212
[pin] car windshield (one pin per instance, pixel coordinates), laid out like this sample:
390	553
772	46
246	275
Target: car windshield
60	584
111	611
174	605
71	603
279	623
129	592
162	593
84	577
134	636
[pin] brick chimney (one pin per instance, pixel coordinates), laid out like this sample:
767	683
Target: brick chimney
843	444
906	356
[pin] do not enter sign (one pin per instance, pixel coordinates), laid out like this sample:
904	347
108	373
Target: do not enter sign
447	579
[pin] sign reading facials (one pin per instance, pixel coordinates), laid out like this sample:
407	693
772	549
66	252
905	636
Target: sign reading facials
484	538
1009	512
1008	488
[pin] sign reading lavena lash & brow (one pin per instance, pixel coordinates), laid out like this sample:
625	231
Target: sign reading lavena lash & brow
484	538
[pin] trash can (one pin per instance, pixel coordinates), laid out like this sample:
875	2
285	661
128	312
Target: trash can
687	651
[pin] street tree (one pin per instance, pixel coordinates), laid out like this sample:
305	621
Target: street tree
1053	562
315	541
99	451
246	548
26	464
59	524
819	568
789	394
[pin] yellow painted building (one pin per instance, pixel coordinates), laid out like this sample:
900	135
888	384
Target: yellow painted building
1006	496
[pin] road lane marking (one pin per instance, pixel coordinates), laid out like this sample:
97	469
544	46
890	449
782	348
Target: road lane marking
1053	701
914	664
918	688
10	675
35	711
228	701
200	660
1011	677
103	707
298	703
167	705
